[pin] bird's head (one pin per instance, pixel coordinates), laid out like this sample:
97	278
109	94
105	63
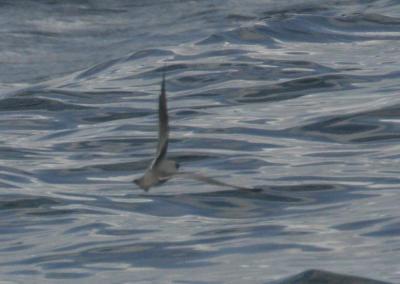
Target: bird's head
140	182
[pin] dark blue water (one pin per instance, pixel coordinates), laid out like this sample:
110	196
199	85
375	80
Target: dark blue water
302	99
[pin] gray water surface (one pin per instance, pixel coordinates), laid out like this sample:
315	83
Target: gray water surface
301	99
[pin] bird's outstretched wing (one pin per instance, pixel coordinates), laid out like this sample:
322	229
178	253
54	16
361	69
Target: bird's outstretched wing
209	180
267	191
163	127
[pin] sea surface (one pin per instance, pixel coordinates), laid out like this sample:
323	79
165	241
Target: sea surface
301	98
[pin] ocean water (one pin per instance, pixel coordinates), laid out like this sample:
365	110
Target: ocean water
297	97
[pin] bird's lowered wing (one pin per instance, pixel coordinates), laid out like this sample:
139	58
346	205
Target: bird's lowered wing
266	191
209	180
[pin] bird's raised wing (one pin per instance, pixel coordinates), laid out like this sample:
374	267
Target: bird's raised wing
163	127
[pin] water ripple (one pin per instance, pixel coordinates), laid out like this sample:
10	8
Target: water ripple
297	101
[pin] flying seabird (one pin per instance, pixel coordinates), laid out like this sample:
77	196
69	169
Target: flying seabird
162	169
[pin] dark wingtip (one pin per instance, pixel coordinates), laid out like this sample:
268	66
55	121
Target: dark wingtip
163	83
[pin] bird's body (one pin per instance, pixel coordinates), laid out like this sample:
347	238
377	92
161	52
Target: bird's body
158	174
